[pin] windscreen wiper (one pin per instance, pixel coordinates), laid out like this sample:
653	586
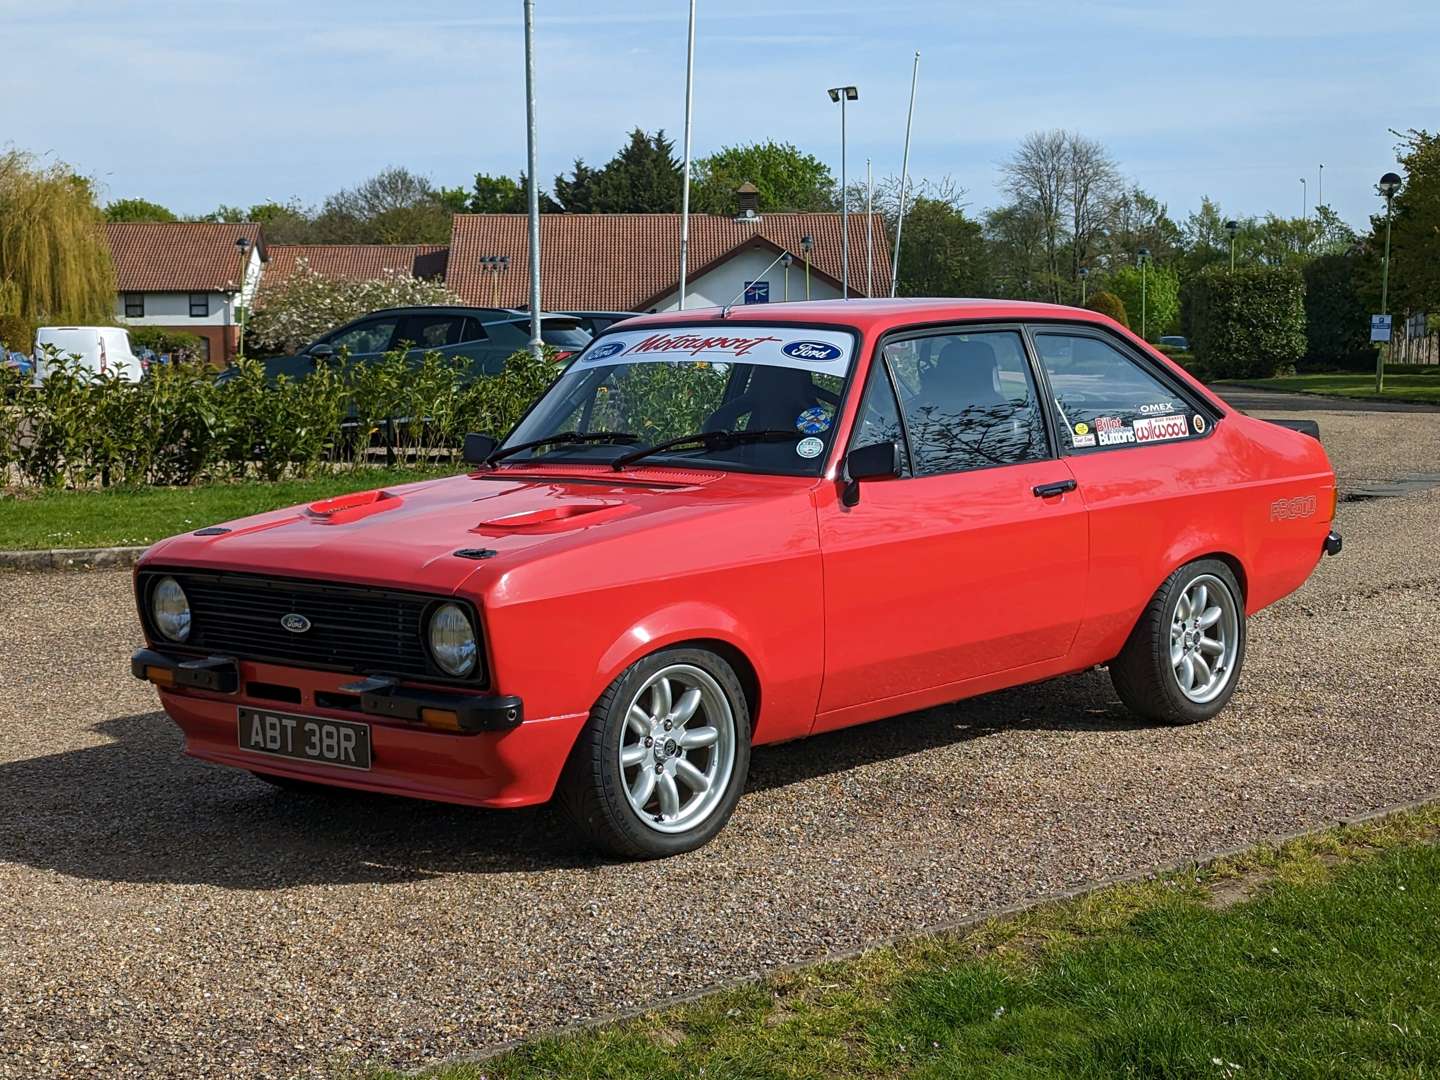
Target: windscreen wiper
563	439
710	440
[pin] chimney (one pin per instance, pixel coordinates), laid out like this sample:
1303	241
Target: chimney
747	197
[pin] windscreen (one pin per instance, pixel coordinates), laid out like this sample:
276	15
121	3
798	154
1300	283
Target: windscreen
648	386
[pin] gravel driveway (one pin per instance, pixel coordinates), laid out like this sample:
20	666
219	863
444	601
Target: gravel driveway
164	917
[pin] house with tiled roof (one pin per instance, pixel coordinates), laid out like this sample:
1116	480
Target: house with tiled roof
352	262
630	262
188	276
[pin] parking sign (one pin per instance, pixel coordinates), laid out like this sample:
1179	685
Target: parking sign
757	292
1379	327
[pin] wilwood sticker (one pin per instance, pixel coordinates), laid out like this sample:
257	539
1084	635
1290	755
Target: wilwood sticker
1161	428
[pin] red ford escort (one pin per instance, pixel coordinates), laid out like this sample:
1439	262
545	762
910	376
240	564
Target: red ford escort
728	528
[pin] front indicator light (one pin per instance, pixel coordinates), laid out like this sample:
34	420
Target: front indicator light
443	719
160	676
452	640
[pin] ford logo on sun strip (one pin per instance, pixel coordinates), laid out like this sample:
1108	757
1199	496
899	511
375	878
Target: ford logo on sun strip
295	622
610	348
810	350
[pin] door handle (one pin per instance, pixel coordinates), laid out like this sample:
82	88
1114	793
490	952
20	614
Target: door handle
1059	487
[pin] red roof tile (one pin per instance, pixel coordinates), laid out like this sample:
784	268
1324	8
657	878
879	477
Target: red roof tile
354	262
629	262
179	256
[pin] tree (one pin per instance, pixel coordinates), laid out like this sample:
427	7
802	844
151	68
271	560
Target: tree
1337	320
137	210
503	195
1092	186
786	178
1415	231
1249	324
307	304
1138	220
943	252
1160	304
1037	177
54	258
643	178
1017	261
395	206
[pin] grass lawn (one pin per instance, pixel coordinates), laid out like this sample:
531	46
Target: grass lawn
1321	958
124	517
1422	388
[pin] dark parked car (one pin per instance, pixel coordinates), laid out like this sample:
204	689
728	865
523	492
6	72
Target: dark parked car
483	336
595	321
1175	341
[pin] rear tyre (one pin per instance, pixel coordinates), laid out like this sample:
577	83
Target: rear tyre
1183	659
661	763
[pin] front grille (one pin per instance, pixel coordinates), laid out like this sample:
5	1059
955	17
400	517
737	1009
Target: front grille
373	631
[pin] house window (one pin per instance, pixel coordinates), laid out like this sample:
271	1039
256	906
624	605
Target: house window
199	305
134	305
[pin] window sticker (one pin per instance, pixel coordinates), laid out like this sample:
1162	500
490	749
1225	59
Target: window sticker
826	352
1082	428
813	420
1198	423
810	448
1082	440
1113	432
1161	428
1158	408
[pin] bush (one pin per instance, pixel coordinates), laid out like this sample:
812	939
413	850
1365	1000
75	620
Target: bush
1337	321
179	424
306	305
1107	303
1249	324
161	341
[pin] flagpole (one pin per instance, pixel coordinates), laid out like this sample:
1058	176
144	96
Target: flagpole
869	232
536	344
904	177
685	191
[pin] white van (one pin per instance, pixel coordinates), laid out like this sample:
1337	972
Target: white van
102	349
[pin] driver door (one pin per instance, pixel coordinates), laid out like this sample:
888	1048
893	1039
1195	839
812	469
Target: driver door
959	569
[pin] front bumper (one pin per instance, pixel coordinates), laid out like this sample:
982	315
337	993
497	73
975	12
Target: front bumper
505	761
377	696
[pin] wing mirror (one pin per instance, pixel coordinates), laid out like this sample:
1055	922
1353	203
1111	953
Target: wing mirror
478	448
879	461
320	353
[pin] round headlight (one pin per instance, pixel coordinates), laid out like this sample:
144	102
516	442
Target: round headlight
171	609
452	640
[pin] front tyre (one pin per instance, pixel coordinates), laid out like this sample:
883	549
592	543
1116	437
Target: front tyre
660	765
1183	659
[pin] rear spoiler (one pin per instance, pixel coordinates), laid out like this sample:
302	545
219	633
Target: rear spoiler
1305	427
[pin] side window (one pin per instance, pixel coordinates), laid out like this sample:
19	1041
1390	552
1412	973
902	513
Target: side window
879	418
371	336
1103	398
431	331
969	401
472	331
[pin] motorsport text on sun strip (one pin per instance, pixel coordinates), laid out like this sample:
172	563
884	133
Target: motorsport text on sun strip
825	351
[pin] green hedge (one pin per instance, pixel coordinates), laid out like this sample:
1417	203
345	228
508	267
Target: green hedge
1249	324
180	424
1337	320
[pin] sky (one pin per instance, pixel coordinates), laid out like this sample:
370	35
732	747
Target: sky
196	104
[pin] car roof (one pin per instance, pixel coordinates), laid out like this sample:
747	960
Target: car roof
875	314
484	314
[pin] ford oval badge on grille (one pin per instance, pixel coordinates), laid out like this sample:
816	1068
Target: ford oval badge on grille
295	622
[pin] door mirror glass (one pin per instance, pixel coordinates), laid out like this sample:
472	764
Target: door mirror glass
478	448
878	461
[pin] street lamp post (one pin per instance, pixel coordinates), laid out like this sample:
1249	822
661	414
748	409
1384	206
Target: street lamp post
243	244
1389	185
807	243
537	345
1232	227
1144	257
842	94
786	260
1084	277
